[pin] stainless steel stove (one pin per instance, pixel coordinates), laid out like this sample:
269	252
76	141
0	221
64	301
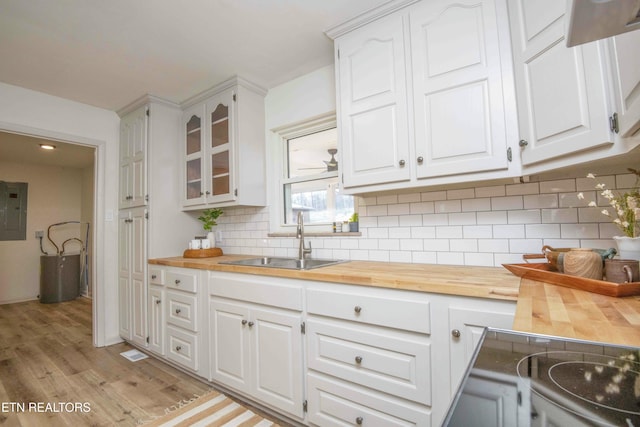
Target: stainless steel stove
517	379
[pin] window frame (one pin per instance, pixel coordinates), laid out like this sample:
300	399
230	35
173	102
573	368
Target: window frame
281	136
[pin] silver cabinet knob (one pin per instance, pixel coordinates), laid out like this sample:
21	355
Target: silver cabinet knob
455	333
244	321
178	348
523	143
420	159
178	311
359	421
177	281
357	309
401	162
207	192
158	301
250	324
153	276
358	359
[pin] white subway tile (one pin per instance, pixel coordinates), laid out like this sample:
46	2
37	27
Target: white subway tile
367	243
340	254
400	233
465	193
500	259
323	253
448	206
377	210
539	201
388	200
494	191
586	184
368	201
368	221
607	230
450	258
626	181
494	217
449	232
399	256
522	189
467	218
559	216
423	232
409	198
571	200
542	231
433	196
506	203
508	231
579	231
561	243
411	244
531	216
379	256
477	231
478	259
525	246
422	207
359	255
463	245
593	215
424	258
435	219
476	205
410	220
389	244
493	245
387	221
378	233
558	186
399	209
348	243
436	245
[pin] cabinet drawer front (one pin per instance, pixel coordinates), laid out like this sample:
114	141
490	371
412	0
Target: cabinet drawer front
389	309
394	363
249	289
181	310
335	403
184	281
182	347
156	276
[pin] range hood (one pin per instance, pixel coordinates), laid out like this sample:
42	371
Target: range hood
591	20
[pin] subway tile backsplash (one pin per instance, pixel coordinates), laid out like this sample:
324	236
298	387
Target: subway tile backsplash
482	226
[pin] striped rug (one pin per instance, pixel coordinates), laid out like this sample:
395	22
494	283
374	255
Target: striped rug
212	409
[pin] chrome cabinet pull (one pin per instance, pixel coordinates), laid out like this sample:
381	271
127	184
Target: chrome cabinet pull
455	333
359	421
357	309
420	159
244	321
251	324
153	276
523	143
177	281
178	348
358	359
158	301
178	311
401	162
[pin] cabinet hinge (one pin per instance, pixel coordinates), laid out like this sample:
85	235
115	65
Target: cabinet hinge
234	97
148	112
613	123
146	198
338	53
147	340
146	215
235	192
303	328
304	406
509	154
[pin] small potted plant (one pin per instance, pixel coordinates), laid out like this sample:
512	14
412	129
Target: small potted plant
353	223
208	218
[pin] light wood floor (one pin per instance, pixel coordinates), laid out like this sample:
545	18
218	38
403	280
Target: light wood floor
47	356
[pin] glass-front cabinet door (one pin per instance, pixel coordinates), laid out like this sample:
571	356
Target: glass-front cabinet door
194	184
220	148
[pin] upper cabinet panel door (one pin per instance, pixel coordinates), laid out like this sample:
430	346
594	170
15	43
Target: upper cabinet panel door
626	58
193	154
133	162
562	106
220	173
458	87
373	103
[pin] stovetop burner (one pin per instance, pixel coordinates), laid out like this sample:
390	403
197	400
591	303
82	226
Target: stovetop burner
531	380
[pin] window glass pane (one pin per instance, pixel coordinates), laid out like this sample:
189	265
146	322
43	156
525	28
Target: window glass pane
320	200
312	154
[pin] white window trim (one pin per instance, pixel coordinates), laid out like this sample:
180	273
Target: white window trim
279	157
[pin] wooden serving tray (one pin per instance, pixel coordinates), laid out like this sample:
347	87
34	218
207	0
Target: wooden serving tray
543	272
202	253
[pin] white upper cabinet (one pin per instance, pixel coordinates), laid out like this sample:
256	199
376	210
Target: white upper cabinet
458	50
626	69
425	96
373	104
562	104
133	159
223	147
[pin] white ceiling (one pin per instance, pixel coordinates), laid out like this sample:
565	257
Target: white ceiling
26	149
107	53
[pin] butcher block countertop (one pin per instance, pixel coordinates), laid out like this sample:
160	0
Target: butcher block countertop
556	310
482	282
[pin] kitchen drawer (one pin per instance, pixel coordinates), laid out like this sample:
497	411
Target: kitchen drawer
156	275
184	280
182	310
395	363
383	307
182	347
335	403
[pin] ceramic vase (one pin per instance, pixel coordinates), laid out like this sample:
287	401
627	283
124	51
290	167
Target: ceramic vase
212	238
628	247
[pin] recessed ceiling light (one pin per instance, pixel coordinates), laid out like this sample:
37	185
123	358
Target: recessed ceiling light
47	146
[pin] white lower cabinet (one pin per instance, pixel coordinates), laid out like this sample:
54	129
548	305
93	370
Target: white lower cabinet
257	349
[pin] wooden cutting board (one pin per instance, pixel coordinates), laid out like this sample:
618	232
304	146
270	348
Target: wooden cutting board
202	253
543	273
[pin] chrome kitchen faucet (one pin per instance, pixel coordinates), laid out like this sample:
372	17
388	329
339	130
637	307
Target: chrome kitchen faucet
302	250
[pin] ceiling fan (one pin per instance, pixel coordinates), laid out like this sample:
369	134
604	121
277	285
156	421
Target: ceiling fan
332	164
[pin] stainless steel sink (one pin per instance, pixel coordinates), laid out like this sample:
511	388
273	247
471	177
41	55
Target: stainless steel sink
289	263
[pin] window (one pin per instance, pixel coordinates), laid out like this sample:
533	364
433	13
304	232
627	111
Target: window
310	176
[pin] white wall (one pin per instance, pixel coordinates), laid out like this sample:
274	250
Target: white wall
39	114
54	195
